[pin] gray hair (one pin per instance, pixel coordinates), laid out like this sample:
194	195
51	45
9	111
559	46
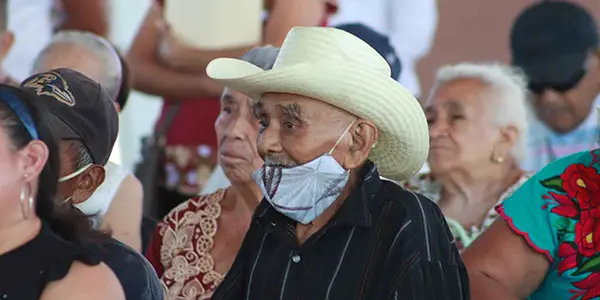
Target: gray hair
508	86
100	47
263	57
83	155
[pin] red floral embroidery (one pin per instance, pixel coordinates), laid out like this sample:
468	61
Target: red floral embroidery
568	256
566	206
582	183
575	196
589	288
587	233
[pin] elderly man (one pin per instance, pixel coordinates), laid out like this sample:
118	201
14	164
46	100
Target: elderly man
85	122
117	203
331	121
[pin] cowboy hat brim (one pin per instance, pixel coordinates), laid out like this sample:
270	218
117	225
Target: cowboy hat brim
403	142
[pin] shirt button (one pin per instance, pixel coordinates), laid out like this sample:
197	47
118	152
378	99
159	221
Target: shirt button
296	258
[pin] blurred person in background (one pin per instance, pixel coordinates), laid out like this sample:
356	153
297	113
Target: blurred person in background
556	44
163	66
84	119
211	240
49	251
410	25
378	41
117	203
33	23
477	119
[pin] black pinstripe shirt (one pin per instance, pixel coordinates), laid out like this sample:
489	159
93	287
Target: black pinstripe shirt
384	243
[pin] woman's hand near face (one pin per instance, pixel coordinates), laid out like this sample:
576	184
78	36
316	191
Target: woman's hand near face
502	266
85	282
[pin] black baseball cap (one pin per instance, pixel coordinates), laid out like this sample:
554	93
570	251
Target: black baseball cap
80	109
551	41
377	41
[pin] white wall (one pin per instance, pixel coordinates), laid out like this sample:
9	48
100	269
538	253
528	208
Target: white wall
137	119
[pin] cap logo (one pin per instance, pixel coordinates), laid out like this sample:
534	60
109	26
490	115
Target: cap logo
53	85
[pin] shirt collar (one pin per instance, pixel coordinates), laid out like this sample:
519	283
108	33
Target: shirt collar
354	211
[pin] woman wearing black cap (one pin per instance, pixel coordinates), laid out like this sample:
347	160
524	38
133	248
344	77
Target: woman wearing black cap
47	251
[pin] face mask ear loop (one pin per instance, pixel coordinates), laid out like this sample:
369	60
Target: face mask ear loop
74	174
341	137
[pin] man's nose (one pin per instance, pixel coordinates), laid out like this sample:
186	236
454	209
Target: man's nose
269	142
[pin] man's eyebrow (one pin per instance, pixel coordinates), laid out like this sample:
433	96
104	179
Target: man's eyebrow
291	110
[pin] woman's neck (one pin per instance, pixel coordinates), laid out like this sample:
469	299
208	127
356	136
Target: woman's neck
479	186
241	196
19	233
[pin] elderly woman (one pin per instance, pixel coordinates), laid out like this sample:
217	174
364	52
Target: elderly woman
117	203
195	245
477	125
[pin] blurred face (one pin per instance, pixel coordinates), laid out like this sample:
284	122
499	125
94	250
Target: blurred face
73	57
295	130
25	165
563	108
79	188
460	126
237	132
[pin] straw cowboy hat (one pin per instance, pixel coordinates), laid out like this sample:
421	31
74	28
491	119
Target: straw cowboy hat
336	67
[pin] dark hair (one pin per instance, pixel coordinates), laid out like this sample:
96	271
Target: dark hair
64	220
125	87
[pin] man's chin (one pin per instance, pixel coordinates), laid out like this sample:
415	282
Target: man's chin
560	123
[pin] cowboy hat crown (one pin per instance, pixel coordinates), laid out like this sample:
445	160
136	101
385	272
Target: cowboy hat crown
336	67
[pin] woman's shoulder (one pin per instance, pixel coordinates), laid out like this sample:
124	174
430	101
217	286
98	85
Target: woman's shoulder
85	282
553	175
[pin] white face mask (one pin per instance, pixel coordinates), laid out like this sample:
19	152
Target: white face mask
303	192
71	176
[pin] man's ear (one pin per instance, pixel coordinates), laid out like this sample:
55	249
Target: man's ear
87	183
364	136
